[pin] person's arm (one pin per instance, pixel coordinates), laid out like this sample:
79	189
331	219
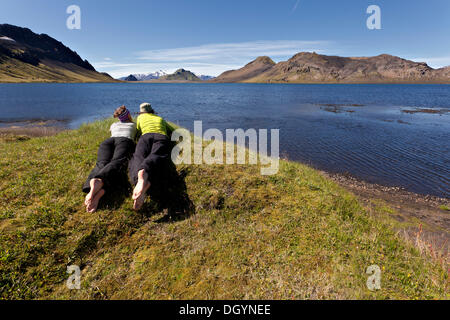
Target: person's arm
138	130
169	128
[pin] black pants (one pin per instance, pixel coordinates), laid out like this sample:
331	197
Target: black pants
152	155
112	160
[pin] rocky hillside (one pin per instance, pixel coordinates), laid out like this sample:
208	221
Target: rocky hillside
181	75
306	67
443	72
29	57
249	71
129	78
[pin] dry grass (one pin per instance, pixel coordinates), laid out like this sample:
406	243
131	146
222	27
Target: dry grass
15	71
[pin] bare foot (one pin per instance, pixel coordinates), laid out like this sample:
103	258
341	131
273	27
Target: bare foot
140	190
88	198
142	181
139	201
96	186
94	202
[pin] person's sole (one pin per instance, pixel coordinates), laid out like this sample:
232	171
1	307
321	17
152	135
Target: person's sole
88	201
138	190
140	200
94	202
91	195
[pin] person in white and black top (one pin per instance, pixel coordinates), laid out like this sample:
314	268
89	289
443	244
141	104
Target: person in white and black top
112	159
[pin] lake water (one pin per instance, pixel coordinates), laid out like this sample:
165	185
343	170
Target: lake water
368	131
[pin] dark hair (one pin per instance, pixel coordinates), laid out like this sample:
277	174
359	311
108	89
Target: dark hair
119	111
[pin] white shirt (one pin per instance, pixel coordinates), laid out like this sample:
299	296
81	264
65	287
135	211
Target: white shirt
123	129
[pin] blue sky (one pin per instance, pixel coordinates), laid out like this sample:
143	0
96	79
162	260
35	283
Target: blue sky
209	36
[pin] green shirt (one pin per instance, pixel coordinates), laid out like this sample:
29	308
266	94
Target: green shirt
150	123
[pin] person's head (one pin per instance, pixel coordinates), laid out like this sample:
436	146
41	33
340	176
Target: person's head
123	114
146	108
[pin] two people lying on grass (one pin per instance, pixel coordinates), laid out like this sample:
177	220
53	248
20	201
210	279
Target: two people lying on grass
117	153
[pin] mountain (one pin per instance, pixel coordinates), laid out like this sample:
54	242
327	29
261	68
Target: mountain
249	71
443	72
130	78
145	76
205	77
181	75
306	67
152	75
29	57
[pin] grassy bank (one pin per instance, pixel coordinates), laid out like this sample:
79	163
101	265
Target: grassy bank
241	235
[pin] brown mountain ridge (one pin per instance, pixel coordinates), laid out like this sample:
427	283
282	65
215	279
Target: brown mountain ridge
306	67
249	71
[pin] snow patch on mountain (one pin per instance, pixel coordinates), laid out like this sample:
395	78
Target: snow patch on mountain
6	39
147	76
205	77
155	75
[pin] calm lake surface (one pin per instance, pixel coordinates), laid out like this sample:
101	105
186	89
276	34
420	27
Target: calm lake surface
358	129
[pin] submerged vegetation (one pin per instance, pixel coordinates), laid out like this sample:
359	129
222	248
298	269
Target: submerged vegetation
222	232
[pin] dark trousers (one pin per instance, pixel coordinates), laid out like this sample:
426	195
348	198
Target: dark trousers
112	160
152	154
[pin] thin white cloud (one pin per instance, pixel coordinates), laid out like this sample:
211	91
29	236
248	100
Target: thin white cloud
211	59
295	6
236	50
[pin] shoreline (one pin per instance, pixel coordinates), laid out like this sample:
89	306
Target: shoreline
224	82
422	219
281	82
24	130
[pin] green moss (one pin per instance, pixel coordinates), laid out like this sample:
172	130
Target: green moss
293	235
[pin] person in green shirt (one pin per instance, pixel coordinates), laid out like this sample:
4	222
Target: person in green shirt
152	152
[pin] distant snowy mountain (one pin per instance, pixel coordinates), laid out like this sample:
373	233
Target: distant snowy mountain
151	75
155	75
129	78
205	77
139	76
146	76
